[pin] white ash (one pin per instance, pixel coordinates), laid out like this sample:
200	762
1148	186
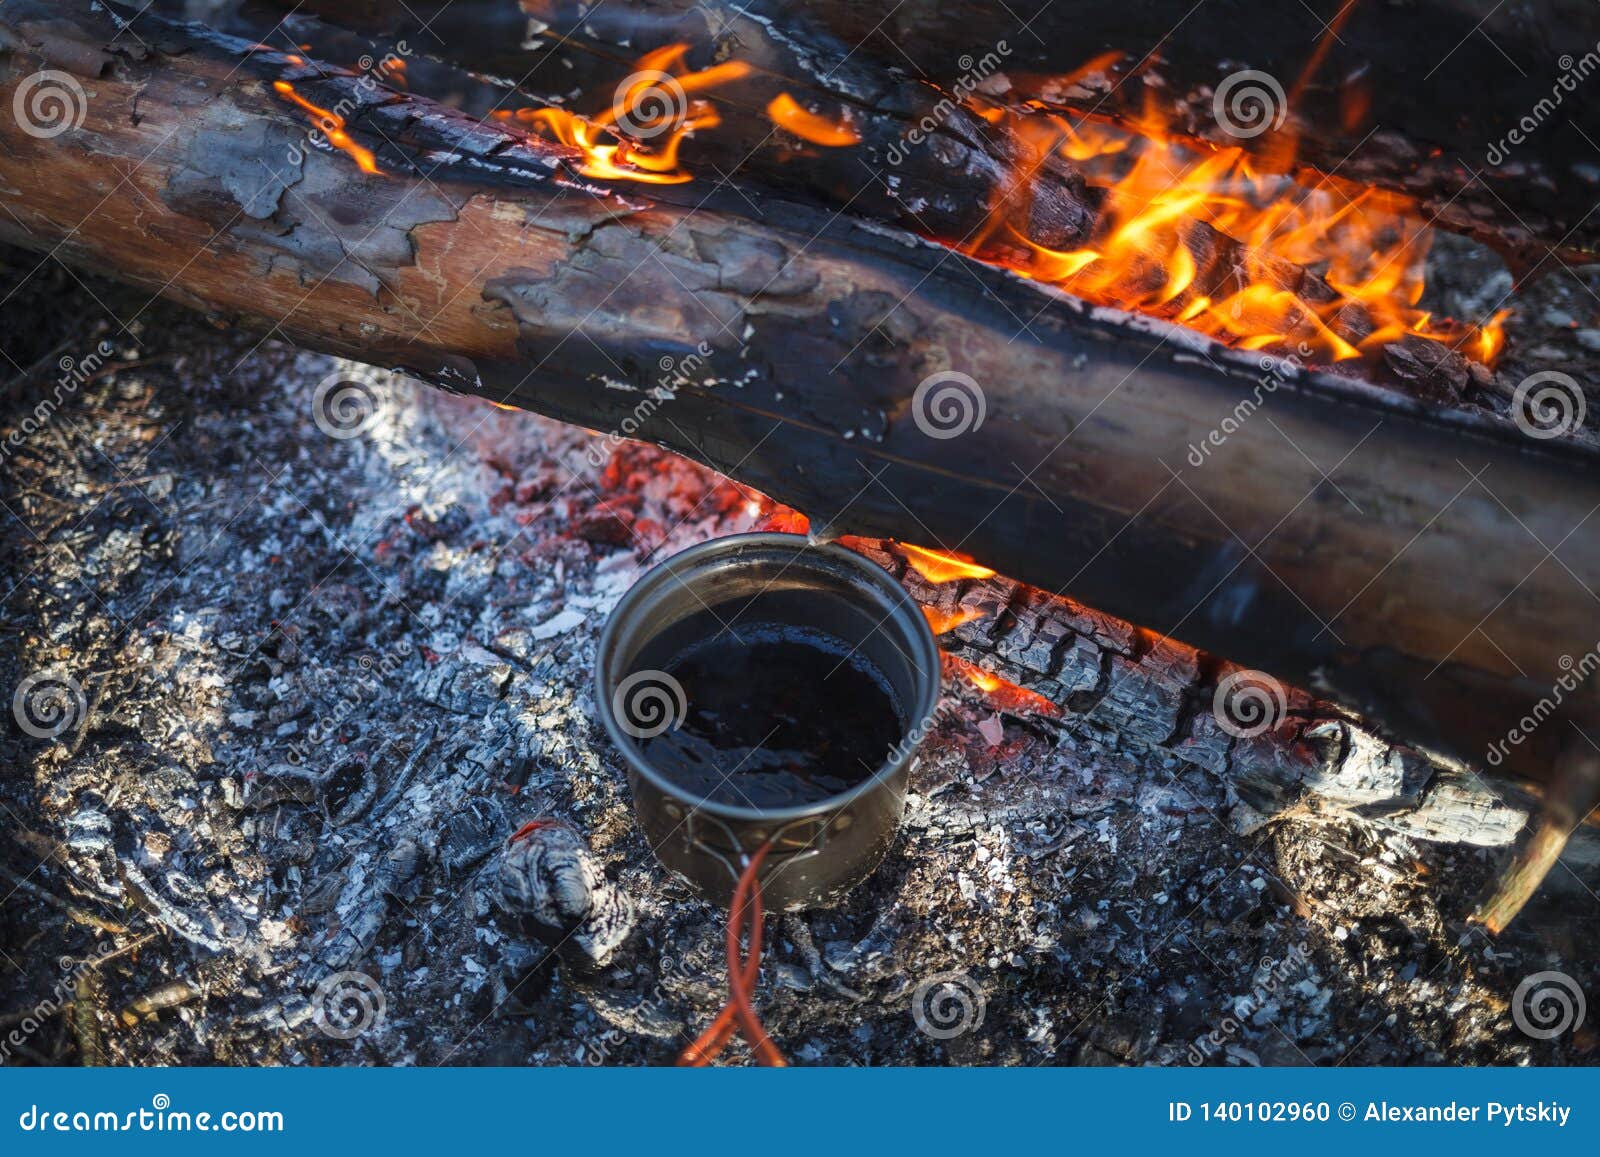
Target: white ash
213	569
550	876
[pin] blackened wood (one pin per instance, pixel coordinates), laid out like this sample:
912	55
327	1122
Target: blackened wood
1345	538
1151	694
953	186
1475	108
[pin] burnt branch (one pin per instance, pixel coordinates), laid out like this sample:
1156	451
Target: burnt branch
1486	134
786	343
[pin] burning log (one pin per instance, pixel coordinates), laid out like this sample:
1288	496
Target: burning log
1204	240
1097	673
1494	160
813	357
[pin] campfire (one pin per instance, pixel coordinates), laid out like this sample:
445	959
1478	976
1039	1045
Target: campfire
1325	272
1175	393
1322	272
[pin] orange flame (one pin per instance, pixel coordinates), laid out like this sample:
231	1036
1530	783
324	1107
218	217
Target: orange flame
983	680
1152	249
607	162
940	567
943	622
1101	63
638	137
1148	247
332	126
292	58
1005	696
785	112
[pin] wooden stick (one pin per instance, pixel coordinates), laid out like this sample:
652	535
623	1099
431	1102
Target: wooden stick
1414	587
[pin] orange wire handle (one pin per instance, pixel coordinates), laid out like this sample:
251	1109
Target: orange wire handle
744	914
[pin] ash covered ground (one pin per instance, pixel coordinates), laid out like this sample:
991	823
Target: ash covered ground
325	678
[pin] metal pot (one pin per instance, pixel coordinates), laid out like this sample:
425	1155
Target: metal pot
820	850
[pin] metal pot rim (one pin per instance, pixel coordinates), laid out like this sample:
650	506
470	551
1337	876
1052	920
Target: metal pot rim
919	714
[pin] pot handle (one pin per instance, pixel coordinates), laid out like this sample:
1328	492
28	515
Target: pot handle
804	837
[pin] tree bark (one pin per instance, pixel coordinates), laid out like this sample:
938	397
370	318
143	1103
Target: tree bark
1430	99
1349	538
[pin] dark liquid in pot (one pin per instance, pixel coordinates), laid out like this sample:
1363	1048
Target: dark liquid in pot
775	717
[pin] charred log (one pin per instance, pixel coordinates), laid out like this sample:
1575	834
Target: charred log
1419	584
1482	128
1152	694
992	192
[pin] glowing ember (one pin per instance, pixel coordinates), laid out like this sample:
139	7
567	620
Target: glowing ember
1003	695
943	622
292	58
638	137
974	674
768	515
939	567
1150	252
332	126
785	112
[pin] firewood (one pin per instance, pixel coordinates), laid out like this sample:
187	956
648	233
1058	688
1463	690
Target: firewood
1153	694
921	159
1448	126
480	258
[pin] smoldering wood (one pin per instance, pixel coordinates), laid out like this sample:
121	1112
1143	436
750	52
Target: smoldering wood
1413	589
925	161
951	188
1006	853
1447	125
1109	676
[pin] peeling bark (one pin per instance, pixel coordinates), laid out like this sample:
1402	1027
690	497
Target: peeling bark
1448	125
482	261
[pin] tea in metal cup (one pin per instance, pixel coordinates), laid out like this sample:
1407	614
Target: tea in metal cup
821	849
